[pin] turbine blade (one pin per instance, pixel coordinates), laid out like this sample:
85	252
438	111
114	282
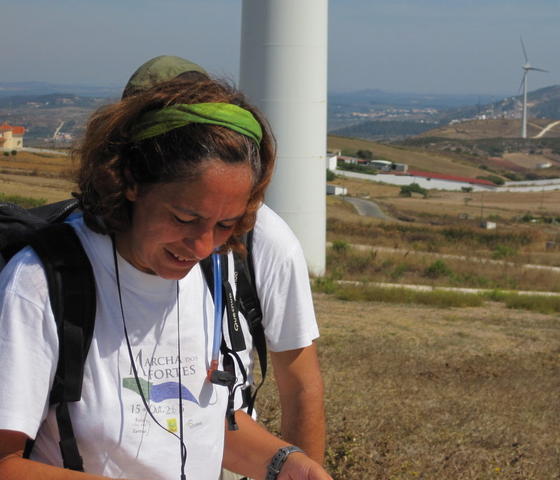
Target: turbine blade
524	51
538	69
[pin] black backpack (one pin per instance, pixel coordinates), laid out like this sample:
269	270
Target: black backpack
72	294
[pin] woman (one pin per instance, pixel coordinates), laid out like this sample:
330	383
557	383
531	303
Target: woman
167	177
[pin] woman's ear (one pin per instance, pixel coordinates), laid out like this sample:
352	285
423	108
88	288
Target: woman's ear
131	193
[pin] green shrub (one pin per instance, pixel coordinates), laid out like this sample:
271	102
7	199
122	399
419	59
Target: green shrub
446	299
435	298
527	218
514	177
408	190
496	295
330	175
325	285
13	152
438	269
352	167
340	246
503	251
534	303
399	271
365	154
471	279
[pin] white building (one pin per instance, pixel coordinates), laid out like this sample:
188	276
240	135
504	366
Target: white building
11	138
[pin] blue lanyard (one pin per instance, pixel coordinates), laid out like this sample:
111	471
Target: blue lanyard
217	269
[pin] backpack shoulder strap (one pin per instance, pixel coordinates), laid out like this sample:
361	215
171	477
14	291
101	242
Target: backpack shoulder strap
250	306
18	225
72	293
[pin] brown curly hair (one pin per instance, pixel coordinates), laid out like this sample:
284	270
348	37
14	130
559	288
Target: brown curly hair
111	163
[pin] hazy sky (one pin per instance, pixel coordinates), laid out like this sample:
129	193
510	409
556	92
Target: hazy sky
432	46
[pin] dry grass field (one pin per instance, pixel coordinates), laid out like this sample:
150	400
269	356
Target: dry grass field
414	392
505	205
37	176
526	161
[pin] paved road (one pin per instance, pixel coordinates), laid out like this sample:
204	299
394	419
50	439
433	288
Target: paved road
547	128
367	208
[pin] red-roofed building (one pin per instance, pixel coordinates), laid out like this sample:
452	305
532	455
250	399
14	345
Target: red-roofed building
451	178
11	137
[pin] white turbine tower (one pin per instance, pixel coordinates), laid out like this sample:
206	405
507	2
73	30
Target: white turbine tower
284	72
526	68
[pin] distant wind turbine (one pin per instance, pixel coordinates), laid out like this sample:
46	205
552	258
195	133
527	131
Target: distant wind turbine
526	68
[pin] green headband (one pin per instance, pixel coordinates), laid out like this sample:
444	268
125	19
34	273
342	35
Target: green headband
158	122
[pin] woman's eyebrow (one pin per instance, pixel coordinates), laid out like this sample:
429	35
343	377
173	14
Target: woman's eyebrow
192	213
186	211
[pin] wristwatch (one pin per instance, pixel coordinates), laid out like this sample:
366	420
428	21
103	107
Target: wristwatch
278	460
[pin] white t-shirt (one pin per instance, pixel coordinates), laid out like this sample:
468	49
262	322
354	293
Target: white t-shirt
282	284
115	435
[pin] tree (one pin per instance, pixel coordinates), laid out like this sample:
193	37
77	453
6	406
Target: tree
365	154
408	190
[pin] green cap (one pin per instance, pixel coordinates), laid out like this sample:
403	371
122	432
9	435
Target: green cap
157	70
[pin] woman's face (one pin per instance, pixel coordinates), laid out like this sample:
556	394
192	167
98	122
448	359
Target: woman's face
175	225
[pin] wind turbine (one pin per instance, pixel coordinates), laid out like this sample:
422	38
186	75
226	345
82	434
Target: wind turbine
526	68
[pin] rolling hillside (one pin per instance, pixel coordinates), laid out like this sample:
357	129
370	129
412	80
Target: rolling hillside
416	159
498	119
494	128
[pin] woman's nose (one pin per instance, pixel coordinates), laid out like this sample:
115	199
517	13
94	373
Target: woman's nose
201	245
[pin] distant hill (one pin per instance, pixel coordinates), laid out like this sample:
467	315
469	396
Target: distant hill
541	103
434	100
384	129
10	89
493	128
43	115
470	121
349	109
51	100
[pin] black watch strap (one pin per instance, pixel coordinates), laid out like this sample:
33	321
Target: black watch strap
278	460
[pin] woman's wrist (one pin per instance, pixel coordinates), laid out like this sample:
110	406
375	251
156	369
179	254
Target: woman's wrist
278	460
